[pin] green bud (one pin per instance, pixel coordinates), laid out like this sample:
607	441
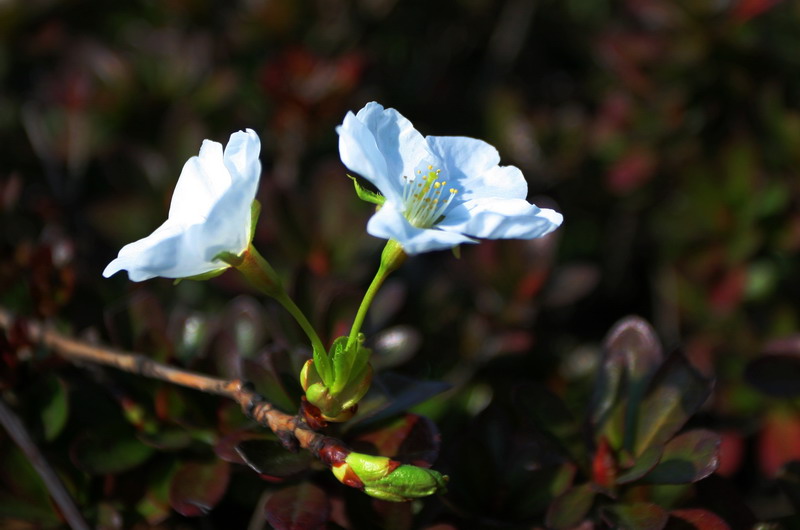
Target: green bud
385	479
335	406
406	483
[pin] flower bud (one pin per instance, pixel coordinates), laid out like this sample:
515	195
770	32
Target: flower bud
387	479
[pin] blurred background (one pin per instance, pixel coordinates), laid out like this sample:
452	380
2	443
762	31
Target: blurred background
666	132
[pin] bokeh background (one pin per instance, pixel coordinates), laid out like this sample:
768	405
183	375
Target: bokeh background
667	132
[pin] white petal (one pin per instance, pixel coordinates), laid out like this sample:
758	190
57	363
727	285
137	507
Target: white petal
359	153
227	228
203	179
505	218
382	146
471	165
163	253
241	157
389	223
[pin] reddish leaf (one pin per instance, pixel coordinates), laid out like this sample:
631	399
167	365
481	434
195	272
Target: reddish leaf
698	519
778	442
198	486
731	453
639	515
272	460
604	466
411	439
301	507
687	458
747	9
225	448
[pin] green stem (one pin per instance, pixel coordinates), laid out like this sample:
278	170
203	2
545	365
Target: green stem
391	258
260	274
301	319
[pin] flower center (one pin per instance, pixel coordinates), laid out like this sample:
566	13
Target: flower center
422	197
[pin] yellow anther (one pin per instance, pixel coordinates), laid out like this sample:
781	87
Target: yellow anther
437	185
430	167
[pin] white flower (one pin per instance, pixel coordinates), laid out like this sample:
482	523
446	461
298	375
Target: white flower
210	213
440	191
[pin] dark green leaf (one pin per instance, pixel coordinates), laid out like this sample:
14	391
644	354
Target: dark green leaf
638	516
551	417
688	457
394	393
55	408
198	486
154	505
300	507
642	466
271	373
167	439
540	487
675	394
23	495
570	508
109	451
632	354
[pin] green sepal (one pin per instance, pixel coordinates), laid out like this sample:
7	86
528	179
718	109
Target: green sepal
349	364
456	251
255	211
201	277
322	363
367	195
234	260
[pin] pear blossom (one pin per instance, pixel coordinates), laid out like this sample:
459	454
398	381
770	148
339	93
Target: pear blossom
437	191
210	215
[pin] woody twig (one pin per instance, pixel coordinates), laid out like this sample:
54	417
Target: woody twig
378	476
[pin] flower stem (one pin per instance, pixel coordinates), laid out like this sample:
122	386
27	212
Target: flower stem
260	274
392	257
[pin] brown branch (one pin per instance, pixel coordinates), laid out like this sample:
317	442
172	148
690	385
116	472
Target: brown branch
291	430
16	430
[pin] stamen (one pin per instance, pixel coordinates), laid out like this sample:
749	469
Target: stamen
423	205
